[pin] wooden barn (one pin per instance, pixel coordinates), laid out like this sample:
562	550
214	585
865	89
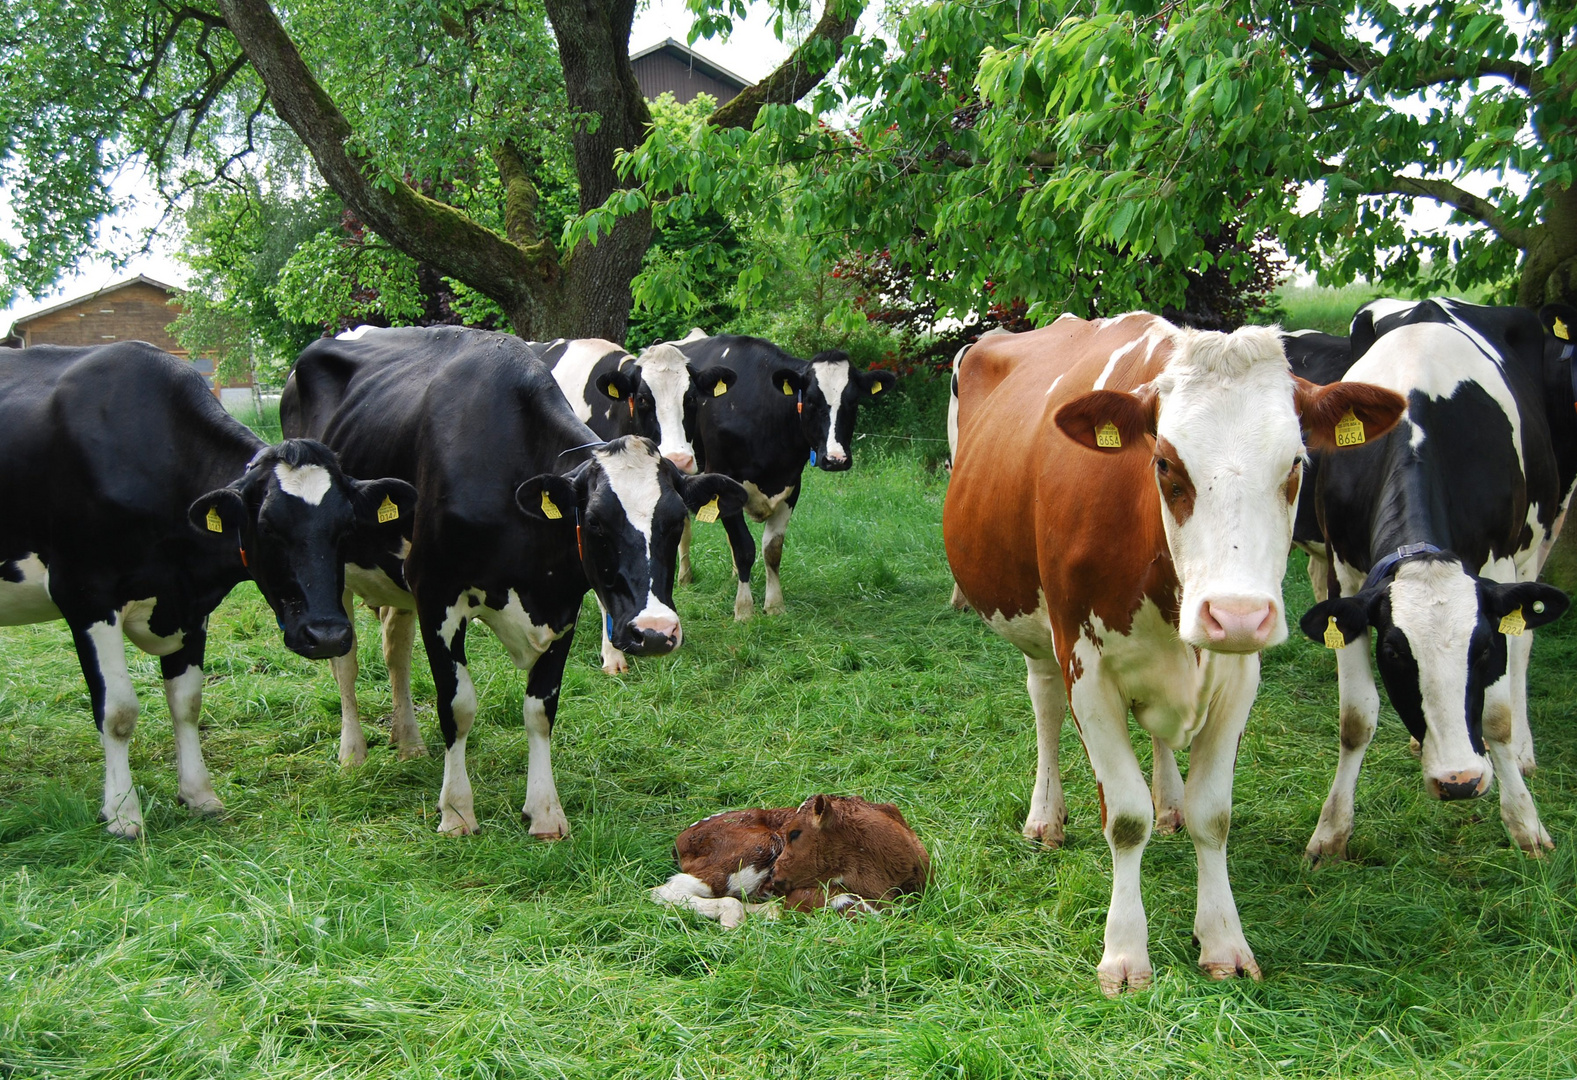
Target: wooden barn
138	309
678	69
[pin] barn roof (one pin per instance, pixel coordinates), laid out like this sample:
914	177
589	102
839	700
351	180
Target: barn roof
140	279
686	55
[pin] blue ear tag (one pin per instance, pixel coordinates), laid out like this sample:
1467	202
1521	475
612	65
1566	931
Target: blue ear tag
813	456
607	622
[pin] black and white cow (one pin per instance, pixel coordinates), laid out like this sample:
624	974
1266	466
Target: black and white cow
779	415
652	395
520	509
1434	536
133	505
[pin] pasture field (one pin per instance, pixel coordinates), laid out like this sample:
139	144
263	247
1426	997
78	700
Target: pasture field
322	928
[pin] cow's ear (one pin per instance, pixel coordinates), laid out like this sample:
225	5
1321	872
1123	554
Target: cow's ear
711	495
875	383
1345	413
822	813
790	381
1350	615
714	381
1560	320
218	512
1110	420
547	497
388	502
616	384
1537	603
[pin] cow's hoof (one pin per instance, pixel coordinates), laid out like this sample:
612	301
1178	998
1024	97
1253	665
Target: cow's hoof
1527	764
1416	747
959	602
1323	850
1119	973
774	607
352	756
1534	842
454	824
730	912
744	611
1229	961
125	830
549	825
1168	821
685	576
204	804
615	665
1048	834
411	750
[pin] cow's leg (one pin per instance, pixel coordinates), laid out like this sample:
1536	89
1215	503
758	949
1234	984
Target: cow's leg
772	552
1360	708
399	644
686	572
960	602
613	661
1166	787
542	809
1519	650
1223	951
1516	803
352	740
1318	568
1048	813
1126	813
743	547
101	648
183	692
443	634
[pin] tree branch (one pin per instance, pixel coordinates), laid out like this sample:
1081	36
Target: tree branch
799	74
424	228
521	198
1355	59
1443	191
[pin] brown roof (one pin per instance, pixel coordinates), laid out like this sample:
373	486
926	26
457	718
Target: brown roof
140	279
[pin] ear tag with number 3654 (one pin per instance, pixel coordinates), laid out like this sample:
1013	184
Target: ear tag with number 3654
1334	638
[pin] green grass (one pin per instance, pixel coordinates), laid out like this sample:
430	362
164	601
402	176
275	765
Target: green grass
323	928
1321	307
264	420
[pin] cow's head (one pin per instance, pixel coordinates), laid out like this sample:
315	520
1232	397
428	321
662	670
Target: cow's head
831	837
828	392
287	516
625	507
1441	635
1223	422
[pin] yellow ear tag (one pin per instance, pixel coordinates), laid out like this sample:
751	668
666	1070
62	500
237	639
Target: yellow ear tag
1513	624
212	520
1349	430
1334	639
613	392
787	389
708	513
1107	435
550	509
719	388
877	388
1559	330
387	511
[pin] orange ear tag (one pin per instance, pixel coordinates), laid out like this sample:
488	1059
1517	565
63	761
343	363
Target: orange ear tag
632	406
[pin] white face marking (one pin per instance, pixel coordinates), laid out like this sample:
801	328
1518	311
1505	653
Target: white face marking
633	474
1436	605
832	378
1226	408
27	601
667	374
572	371
309	483
745	881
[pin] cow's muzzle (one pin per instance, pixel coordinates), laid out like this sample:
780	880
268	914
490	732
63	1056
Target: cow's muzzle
322	639
1238	623
1462	784
834	463
653	635
685	461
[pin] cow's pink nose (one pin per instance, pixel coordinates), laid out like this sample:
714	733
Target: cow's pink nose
666	625
1238	623
1462	784
686	462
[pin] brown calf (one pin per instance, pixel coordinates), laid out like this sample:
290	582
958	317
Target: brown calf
828	851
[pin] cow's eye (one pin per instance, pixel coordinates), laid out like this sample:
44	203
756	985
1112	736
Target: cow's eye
1161	466
793	836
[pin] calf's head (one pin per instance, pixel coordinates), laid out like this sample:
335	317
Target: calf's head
1222	426
625	508
1441	635
828	392
287	515
837	840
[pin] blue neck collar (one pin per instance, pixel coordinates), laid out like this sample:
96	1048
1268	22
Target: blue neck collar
1388	564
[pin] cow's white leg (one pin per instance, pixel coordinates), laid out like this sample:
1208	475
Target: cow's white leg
1360	709
960	602
685	890
686	575
1166	787
117	715
1212	759
1318	568
1516	803
772	553
1126	813
1519	649
184	695
455	801
742	549
1048	813
399	643
613	661
352	740
542	806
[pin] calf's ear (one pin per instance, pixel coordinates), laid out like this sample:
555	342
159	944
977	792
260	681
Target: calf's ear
218	512
714	381
1351	614
616	384
387	502
823	812
703	489
875	383
547	497
1110	420
1560	320
1538	602
1345	414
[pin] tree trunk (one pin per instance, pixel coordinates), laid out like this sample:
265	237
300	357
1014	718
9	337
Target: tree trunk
1549	269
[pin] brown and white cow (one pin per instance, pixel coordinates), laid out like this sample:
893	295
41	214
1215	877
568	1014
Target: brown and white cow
1120	510
830	851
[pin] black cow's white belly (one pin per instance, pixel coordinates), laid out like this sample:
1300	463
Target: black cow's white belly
24	592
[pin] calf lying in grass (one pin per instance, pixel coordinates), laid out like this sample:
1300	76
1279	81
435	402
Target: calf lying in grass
830	851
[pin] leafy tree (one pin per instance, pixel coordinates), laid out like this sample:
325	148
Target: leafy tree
461	133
